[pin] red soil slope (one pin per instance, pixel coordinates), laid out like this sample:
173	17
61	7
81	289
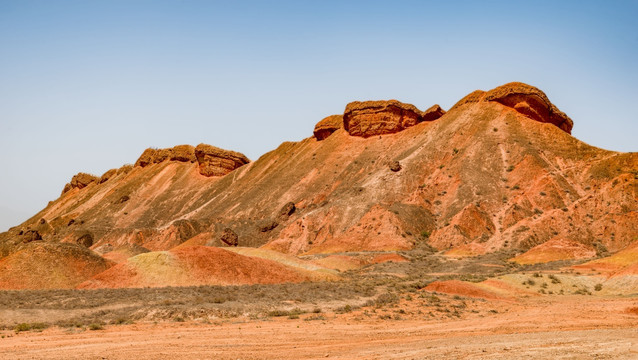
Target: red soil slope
197	265
41	265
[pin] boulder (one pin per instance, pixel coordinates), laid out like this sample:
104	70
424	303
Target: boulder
432	113
80	181
327	126
395	166
369	118
31	235
85	240
214	161
287	210
229	237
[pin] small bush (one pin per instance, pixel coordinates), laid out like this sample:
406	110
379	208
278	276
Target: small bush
554	279
30	326
96	326
598	287
344	309
277	313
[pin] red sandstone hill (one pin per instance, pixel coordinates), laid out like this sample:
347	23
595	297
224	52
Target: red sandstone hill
498	170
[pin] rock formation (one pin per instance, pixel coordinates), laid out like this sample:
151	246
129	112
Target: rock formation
79	181
369	118
107	175
432	113
327	126
184	153
525	99
229	237
214	161
481	178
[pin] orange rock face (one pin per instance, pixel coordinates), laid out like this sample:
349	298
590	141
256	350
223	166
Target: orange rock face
184	153
369	118
531	102
327	126
432	113
525	99
214	161
79	181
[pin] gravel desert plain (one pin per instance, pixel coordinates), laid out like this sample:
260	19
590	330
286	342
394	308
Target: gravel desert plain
485	231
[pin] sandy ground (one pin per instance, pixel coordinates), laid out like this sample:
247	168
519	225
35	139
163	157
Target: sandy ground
538	328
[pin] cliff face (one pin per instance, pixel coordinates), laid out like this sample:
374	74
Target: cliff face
497	171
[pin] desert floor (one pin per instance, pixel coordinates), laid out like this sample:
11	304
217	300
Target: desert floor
547	327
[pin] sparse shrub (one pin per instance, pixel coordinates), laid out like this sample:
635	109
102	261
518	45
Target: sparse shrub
383	299
598	287
315	317
97	326
344	309
30	326
277	313
515	187
554	279
510	168
121	321
582	291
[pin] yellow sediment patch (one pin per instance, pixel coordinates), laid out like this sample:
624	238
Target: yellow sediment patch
317	272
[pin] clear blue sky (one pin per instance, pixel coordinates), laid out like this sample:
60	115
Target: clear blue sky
88	85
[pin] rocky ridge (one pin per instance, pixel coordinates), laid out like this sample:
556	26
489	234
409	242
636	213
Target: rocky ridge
488	175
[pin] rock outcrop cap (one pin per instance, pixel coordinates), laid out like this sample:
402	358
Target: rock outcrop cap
214	161
327	126
369	118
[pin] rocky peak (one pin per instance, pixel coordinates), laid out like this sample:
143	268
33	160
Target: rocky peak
433	113
525	99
